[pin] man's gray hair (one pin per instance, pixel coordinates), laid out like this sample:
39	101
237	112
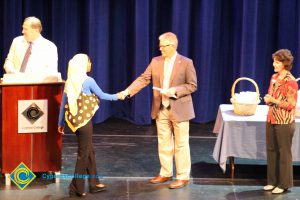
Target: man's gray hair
169	36
35	23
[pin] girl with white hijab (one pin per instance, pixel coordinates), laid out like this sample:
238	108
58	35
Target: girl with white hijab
79	103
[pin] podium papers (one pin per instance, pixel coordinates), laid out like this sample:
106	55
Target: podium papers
31	78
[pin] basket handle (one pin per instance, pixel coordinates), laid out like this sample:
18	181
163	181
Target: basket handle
248	79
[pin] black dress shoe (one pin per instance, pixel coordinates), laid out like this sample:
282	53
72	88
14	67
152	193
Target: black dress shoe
96	189
75	194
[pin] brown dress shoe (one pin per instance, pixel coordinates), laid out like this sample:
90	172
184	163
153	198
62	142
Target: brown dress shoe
159	179
178	184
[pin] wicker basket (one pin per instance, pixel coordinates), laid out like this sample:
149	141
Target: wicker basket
244	108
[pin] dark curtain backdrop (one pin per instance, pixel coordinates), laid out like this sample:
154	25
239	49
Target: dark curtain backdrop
226	39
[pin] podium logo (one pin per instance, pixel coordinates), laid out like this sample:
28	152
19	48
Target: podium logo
32	113
22	176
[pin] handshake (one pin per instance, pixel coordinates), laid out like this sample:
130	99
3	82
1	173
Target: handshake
124	94
171	92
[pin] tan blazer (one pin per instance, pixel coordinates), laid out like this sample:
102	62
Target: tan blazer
183	78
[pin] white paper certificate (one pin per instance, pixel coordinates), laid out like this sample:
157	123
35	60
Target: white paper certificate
162	91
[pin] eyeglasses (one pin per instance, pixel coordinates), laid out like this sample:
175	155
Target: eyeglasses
164	46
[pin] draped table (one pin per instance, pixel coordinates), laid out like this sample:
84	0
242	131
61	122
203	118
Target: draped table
244	136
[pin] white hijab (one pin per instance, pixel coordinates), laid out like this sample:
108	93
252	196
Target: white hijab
76	76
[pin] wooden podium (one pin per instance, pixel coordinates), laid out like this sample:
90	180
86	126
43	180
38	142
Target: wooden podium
41	152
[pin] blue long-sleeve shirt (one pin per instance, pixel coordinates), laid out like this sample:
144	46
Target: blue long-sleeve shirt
89	86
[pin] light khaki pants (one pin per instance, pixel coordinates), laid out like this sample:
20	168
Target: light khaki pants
173	141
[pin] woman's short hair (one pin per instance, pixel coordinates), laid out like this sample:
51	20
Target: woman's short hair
285	56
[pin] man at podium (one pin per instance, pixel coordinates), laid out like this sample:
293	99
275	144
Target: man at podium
31	52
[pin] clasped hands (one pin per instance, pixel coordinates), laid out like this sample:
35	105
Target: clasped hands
270	100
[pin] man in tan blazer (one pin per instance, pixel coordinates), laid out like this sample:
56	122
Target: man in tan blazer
174	79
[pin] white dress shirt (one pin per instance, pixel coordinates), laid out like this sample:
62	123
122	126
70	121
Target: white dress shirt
43	57
168	68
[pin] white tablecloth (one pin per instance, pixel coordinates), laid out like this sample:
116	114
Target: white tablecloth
244	136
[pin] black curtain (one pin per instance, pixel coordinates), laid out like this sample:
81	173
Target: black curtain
226	39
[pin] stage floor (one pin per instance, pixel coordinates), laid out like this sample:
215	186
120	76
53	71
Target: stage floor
126	156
